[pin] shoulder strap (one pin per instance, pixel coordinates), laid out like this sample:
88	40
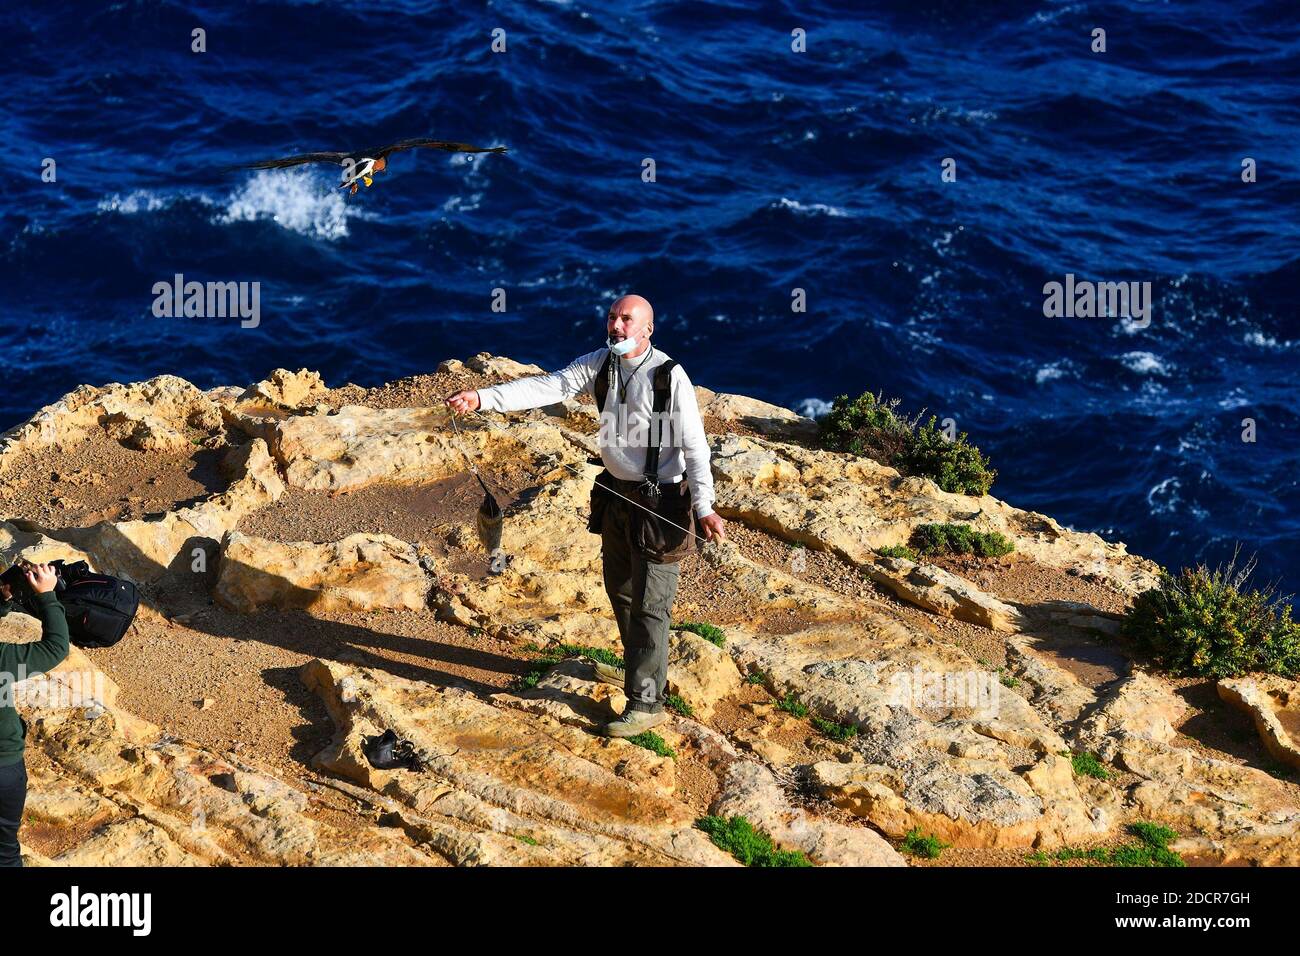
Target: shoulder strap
602	383
663	390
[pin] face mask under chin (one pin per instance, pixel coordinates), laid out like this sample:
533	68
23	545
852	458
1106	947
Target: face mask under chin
621	348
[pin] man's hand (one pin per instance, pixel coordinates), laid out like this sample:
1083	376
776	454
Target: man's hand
713	527
464	401
41	577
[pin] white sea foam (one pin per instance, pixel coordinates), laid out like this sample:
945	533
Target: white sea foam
1260	340
463	203
1144	363
1050	372
140	200
813	209
813	408
1164	498
297	200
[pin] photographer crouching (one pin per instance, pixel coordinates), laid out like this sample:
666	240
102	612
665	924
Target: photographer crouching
19	662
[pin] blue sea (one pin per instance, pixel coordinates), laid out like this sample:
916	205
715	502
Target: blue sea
774	171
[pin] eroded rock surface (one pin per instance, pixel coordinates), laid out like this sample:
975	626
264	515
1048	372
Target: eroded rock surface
977	756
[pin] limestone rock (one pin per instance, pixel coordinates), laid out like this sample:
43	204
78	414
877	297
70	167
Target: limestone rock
750	790
509	771
287	390
772	420
1139	706
1274	705
361	572
700	672
145	414
943	592
852	505
145	550
941	744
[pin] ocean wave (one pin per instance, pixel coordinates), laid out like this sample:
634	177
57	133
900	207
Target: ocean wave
145	200
810	209
812	407
1144	363
294	200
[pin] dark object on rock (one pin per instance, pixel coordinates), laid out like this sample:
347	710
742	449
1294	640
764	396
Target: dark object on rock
389	752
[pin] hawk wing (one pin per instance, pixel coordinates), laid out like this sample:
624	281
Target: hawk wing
421	143
300	160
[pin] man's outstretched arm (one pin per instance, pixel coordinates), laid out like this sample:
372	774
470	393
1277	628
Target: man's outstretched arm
532	392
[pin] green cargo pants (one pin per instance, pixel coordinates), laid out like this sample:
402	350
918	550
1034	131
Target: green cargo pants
641	593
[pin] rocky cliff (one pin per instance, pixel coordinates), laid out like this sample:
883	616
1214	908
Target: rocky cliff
311	576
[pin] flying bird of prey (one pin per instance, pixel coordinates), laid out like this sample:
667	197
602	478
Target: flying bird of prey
362	165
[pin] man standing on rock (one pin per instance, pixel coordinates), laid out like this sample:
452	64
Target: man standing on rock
17	663
656	461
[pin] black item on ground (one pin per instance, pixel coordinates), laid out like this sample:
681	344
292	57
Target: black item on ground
389	752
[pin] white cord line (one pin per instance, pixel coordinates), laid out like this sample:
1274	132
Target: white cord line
636	504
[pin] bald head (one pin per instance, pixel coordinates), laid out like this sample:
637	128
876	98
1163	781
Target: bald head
631	317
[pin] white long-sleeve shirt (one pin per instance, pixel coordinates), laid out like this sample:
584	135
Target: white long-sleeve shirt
685	449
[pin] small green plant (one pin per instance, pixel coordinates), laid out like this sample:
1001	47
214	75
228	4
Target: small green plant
553	655
757	677
928	846
1006	680
1206	623
1087	765
947	538
748	844
834	731
897	551
654	743
712	634
1152	849
675	703
869	425
792	705
524	838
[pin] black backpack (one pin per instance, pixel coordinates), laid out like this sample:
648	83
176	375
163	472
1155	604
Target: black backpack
100	608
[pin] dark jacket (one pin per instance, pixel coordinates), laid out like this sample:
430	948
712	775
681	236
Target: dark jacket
20	661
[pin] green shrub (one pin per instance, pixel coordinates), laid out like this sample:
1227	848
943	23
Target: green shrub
791	705
897	551
674	702
757	677
945	538
1087	765
712	634
831	729
928	846
653	742
954	465
868	425
871	426
749	845
1205	623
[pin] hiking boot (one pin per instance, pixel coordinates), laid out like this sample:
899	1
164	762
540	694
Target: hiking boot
633	722
609	673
